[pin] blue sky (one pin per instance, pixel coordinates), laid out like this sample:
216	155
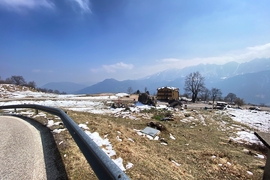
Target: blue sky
86	41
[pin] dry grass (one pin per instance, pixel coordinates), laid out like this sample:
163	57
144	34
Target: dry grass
194	148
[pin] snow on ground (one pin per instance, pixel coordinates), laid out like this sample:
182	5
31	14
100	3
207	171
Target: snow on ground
11	91
95	107
171	136
259	120
107	148
177	164
83	126
122	94
246	137
256	120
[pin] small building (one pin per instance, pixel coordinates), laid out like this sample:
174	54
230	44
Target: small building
167	93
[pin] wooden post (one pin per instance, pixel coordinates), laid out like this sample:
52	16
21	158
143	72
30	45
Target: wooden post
265	139
266	174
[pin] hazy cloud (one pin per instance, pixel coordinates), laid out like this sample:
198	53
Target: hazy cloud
30	4
41	71
113	68
244	55
95	70
260	47
170	60
118	66
250	53
36	70
83	4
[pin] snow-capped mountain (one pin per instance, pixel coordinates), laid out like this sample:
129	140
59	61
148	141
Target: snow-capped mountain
247	80
213	72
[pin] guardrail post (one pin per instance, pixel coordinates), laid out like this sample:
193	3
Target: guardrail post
265	139
36	111
266	174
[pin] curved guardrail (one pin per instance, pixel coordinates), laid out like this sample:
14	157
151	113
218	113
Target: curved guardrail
100	162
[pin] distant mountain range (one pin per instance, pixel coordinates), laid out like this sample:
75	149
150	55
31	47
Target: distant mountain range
252	87
249	80
68	87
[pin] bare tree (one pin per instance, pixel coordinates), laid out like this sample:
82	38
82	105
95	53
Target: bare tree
2	81
145	89
205	94
129	90
42	89
230	97
215	93
239	102
8	81
31	84
56	92
194	83
18	80
50	91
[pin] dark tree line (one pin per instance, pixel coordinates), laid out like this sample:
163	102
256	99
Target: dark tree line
194	87
20	81
130	91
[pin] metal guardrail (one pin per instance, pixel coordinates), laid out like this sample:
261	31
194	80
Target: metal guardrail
100	162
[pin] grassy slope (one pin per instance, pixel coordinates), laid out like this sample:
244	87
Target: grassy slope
193	148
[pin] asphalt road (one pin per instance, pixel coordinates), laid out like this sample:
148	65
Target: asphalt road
21	151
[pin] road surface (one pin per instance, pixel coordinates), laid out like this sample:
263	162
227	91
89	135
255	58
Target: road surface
21	151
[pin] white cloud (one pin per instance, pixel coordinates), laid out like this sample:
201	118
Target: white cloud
93	70
248	54
260	47
244	55
19	5
170	60
118	66
83	4
30	4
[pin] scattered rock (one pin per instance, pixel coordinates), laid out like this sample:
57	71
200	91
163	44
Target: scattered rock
162	140
175	103
156	126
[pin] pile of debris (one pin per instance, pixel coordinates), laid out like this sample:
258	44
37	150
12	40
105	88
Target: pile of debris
175	103
119	105
145	98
